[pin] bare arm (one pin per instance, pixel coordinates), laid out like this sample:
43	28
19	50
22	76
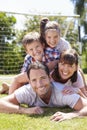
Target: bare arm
51	65
18	81
81	110
9	104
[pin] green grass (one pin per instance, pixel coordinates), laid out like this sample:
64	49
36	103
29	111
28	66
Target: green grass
40	122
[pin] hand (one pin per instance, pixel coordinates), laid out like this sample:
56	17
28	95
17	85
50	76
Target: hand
68	90
36	110
32	110
60	116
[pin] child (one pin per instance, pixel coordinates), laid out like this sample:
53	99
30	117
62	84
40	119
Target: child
34	50
53	42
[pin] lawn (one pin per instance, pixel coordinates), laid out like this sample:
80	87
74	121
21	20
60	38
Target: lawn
40	122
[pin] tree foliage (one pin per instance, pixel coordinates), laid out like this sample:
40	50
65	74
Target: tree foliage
9	51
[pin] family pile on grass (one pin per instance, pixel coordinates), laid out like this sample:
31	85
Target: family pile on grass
50	76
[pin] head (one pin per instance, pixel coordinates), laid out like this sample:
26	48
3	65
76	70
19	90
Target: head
68	64
50	31
67	67
33	46
38	75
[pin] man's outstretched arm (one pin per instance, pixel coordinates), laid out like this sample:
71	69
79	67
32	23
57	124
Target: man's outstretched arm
81	110
9	104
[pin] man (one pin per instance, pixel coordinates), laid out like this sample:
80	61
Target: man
41	93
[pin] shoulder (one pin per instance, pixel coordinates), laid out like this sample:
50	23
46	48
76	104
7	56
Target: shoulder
63	45
58	86
25	94
27	57
62	40
79	83
24	89
79	76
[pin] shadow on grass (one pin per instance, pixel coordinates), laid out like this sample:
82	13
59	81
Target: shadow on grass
50	111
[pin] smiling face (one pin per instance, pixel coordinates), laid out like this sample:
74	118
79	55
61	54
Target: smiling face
40	82
35	50
52	37
66	70
68	64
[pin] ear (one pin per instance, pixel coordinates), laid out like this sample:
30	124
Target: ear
27	51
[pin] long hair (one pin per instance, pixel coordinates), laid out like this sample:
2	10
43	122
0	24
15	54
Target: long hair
43	23
46	25
67	57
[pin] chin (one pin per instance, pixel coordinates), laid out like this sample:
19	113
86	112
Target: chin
64	78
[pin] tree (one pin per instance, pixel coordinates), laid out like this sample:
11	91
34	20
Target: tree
10	52
7	31
81	9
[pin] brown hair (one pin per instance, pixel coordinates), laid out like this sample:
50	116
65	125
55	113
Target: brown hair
45	25
69	57
37	65
30	37
43	22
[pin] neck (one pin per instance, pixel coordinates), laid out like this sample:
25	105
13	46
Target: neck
46	97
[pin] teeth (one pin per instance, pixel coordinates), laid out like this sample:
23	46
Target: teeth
65	73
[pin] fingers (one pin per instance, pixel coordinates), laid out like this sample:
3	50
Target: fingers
38	110
68	91
57	116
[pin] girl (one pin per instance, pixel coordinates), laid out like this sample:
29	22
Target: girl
54	44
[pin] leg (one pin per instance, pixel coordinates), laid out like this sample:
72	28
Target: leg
5	88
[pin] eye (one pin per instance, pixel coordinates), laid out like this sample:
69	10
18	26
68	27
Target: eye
37	46
43	77
56	36
31	49
33	80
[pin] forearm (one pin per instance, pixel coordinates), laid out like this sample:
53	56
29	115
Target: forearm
7	107
18	81
51	65
83	112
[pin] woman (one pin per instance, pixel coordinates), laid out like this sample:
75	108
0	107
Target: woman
67	72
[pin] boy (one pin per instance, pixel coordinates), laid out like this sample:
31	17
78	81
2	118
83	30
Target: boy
35	52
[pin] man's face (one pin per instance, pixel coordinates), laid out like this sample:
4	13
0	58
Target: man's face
40	82
35	50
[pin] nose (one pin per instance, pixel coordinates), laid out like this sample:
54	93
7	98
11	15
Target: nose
39	83
65	67
34	51
52	40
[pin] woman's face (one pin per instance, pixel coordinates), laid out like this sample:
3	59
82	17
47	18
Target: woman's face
66	70
52	37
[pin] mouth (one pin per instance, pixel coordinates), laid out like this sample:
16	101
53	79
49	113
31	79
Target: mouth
65	73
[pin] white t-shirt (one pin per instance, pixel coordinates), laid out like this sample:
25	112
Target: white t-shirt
63	45
75	85
26	95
